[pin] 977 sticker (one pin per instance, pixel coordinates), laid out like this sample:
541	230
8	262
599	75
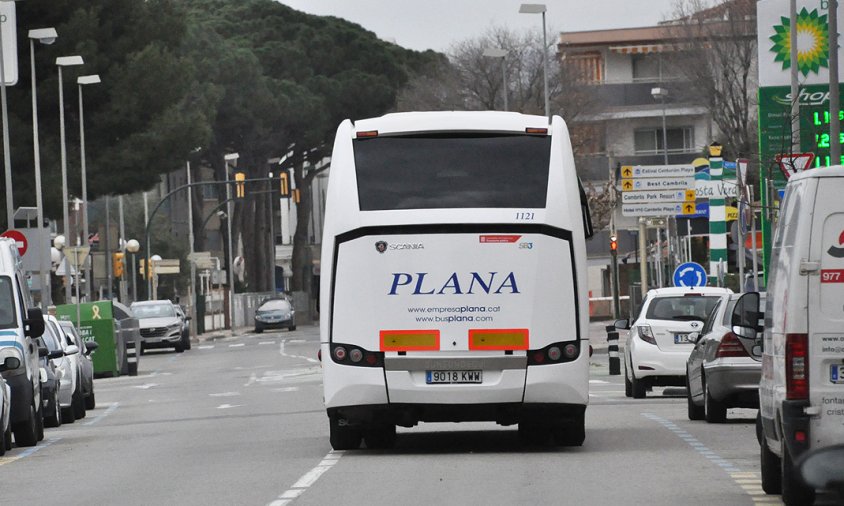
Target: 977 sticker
832	276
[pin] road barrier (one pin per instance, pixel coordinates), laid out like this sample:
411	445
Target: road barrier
612	350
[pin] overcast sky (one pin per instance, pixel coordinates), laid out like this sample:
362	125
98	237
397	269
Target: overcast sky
436	24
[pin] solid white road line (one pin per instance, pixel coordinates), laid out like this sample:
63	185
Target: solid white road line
26	453
308	479
104	414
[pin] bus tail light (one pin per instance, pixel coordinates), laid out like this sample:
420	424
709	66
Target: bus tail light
347	354
730	346
796	366
554	353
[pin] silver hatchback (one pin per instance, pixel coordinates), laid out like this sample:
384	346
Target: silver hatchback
723	369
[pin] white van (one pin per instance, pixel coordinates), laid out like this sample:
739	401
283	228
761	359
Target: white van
20	325
801	394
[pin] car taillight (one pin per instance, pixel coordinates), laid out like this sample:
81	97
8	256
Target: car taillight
730	346
796	366
646	334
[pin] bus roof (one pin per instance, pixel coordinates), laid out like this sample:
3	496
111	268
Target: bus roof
474	121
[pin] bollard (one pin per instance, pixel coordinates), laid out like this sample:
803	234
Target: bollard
612	350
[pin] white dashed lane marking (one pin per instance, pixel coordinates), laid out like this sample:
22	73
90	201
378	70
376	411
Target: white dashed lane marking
308	479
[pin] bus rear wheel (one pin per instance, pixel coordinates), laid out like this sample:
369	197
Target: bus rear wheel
570	432
343	437
380	436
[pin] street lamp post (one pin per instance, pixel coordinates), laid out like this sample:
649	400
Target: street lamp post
230	157
82	81
661	94
7	160
132	246
44	36
540	9
494	52
65	61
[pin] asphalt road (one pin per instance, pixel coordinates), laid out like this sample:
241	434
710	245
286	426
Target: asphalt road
241	421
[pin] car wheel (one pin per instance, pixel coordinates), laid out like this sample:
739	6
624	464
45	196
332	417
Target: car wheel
3	446
258	330
628	387
343	437
570	432
91	400
26	432
794	492
381	436
771	470
78	404
7	437
291	328
638	387
179	348
695	412
68	415
55	418
39	423
714	411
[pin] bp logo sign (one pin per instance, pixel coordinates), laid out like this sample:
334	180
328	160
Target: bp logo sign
812	42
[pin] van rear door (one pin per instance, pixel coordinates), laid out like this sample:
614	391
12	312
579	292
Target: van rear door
826	314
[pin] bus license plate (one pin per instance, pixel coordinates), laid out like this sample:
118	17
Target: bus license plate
434	377
836	373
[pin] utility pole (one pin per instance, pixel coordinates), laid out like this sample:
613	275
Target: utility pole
795	92
834	98
614	285
192	295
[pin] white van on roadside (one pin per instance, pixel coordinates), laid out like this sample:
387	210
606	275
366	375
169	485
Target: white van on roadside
20	325
801	393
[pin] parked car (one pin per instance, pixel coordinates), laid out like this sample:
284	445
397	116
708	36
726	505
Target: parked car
658	344
50	379
6	406
23	324
723	369
801	392
275	313
160	326
180	312
86	365
70	384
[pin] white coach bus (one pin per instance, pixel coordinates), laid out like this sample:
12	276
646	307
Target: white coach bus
453	280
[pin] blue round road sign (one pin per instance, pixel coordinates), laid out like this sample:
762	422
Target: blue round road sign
690	274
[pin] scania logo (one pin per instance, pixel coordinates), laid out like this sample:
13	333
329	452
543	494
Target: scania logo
835	251
381	246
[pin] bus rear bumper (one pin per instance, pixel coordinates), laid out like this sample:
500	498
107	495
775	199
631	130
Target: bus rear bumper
409	415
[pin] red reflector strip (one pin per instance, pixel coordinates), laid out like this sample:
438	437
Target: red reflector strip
536	131
410	340
367	133
498	339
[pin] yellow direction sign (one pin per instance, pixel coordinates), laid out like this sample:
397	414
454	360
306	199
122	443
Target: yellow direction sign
691	195
627	172
626	185
689	207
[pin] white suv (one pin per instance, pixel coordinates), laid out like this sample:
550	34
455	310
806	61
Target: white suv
658	344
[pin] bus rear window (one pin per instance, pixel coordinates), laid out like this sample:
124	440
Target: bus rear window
452	171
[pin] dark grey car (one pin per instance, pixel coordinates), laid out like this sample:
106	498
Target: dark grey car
275	314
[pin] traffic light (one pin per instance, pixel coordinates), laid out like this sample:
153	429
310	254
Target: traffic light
240	184
296	195
142	268
284	184
613	244
117	264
